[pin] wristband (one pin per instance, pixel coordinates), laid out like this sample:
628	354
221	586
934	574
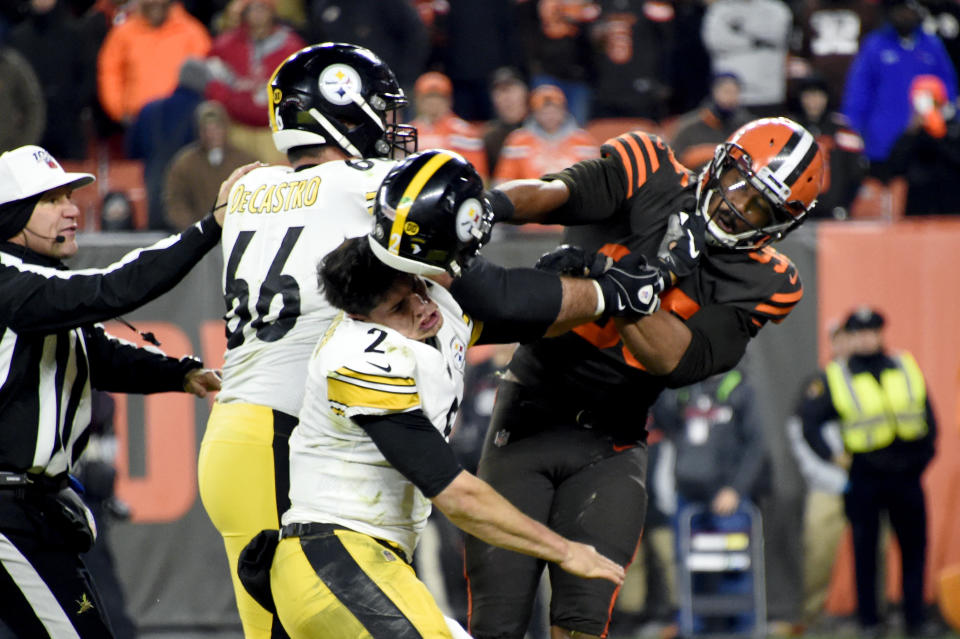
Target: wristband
601	305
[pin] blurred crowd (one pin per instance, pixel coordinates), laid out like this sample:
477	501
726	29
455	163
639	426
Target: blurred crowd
163	98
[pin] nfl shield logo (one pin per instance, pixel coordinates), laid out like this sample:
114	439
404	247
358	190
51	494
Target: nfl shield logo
501	438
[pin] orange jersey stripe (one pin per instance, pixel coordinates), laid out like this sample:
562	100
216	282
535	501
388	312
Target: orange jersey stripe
787	298
638	164
679	303
773	310
604	336
625	158
651	153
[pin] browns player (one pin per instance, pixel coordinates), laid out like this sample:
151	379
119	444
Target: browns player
566	442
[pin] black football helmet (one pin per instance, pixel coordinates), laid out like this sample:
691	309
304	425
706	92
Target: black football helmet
430	214
340	94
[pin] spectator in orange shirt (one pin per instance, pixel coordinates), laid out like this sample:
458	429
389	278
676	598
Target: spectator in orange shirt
549	141
438	127
140	59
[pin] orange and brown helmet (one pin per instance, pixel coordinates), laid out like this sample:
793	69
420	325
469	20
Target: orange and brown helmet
780	159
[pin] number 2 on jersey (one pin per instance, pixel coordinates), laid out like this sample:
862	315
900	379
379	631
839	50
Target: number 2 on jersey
237	293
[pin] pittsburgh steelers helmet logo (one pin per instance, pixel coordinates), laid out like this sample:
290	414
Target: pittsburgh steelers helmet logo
339	84
458	350
468	219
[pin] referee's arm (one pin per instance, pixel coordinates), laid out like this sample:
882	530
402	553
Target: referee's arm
121	367
43	300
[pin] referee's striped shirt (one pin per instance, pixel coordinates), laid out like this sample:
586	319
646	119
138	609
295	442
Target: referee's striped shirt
52	351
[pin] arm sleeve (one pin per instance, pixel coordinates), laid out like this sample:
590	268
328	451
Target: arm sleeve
931	437
816	409
858	89
43	300
414	447
719	337
597	188
118	366
515	305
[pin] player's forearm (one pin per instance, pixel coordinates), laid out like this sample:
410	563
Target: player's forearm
473	506
534	199
658	341
579	304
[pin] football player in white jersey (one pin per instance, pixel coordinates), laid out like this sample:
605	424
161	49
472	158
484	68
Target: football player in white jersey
329	109
369	454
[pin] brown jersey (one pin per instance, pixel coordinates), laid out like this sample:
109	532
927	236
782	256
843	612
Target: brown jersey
621	203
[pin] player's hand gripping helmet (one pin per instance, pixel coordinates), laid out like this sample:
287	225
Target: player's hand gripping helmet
430	214
338	94
761	184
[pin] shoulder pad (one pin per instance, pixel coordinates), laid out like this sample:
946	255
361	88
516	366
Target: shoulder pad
640	155
375	375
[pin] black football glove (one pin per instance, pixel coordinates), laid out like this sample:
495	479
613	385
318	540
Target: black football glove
571	260
679	251
631	287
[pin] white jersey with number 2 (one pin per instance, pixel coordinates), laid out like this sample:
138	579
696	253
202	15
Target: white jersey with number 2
279	225
337	473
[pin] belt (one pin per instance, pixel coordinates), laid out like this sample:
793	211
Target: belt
314	528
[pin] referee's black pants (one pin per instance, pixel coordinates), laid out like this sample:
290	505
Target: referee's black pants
901	496
45	590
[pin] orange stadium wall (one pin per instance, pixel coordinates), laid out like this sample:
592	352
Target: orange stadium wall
910	270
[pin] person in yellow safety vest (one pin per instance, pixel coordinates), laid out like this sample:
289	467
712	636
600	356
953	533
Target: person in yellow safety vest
879	401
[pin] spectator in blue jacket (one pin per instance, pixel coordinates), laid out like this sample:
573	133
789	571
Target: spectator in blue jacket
876	99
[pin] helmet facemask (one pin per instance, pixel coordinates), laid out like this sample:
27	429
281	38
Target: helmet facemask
730	226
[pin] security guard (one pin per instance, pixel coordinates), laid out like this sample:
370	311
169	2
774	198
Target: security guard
888	428
53	352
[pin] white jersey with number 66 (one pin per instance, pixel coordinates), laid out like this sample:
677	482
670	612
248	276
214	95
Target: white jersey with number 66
279	225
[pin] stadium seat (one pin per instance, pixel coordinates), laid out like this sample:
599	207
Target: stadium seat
878	201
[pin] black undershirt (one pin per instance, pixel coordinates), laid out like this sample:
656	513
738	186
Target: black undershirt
412	445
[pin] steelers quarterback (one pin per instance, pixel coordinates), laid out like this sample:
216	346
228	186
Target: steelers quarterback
369	456
333	110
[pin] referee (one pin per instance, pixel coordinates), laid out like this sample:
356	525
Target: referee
52	353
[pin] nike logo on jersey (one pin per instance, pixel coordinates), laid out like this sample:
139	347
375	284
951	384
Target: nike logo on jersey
385	369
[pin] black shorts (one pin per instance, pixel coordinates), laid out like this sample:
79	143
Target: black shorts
582	483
